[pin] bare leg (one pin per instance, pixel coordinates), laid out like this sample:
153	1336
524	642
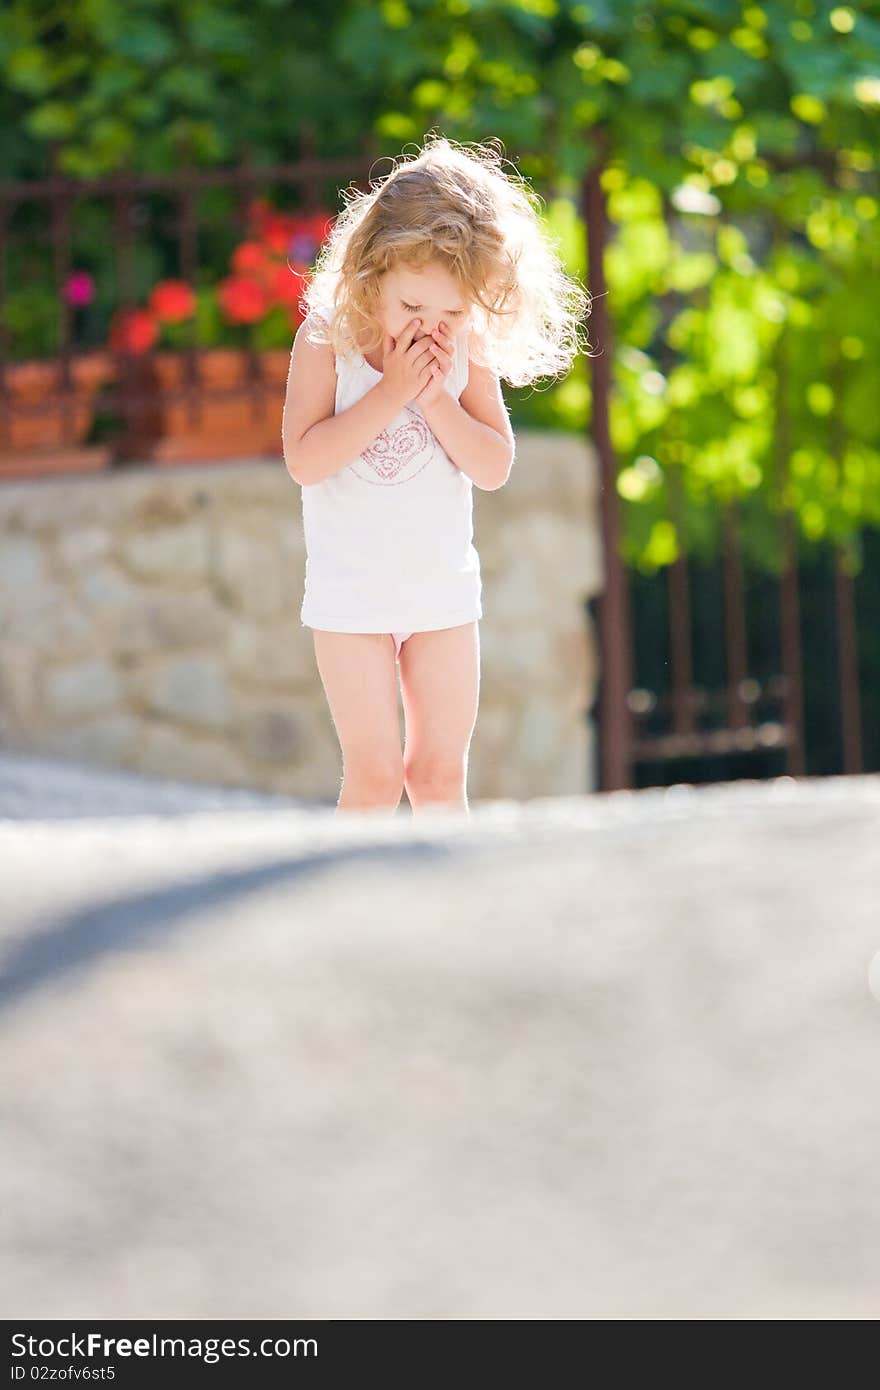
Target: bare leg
358	673
440	684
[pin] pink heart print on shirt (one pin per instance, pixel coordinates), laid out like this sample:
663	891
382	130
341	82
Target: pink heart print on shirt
401	451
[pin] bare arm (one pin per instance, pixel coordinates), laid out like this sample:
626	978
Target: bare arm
317	443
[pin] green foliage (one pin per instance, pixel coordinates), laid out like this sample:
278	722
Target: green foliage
29	315
143	82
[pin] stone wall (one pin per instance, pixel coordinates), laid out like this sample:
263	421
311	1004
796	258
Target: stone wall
149	619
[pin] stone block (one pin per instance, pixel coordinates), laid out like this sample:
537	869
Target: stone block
176	752
160	620
153	496
83	688
539	732
83	545
269	732
22	568
275	655
515	598
256	483
108	741
247	574
104	588
19	685
190	689
170	554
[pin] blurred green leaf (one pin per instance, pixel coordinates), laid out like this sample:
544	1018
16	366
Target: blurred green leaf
53	120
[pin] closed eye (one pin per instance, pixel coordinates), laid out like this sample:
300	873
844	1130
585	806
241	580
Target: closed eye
413	308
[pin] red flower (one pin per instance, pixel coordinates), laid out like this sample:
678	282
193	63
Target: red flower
133	330
286	285
242	299
251	258
279	230
171	301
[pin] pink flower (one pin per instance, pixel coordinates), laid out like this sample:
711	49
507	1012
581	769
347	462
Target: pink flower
80	288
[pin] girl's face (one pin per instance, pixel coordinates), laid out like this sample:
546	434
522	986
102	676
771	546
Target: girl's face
430	294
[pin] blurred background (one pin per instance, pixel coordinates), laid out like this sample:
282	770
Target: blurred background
682	578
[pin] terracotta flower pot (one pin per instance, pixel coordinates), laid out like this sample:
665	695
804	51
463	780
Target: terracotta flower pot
219	426
32	435
238	426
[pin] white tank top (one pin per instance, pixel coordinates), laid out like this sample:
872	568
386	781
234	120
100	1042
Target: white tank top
389	537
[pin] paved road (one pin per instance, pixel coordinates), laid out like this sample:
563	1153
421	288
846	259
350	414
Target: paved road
611	1056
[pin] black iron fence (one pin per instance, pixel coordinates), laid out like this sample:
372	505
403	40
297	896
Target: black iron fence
739	673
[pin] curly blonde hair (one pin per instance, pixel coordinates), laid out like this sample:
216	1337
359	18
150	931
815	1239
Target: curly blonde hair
456	206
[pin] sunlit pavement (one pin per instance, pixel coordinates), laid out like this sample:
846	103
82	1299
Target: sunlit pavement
611	1056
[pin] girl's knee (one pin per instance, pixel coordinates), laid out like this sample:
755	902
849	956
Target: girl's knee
376	775
435	774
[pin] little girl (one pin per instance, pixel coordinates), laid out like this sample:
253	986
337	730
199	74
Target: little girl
429	289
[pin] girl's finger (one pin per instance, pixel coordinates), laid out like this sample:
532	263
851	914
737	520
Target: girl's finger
408	336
